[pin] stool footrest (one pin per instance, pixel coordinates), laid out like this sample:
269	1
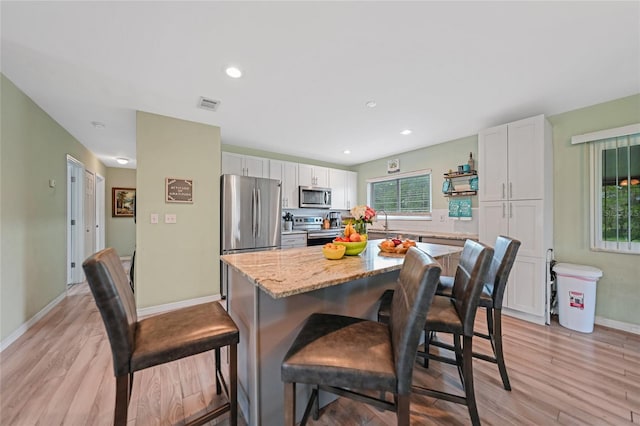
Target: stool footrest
379	403
439	394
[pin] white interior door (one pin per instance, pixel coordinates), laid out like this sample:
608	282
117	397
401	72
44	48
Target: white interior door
100	213
75	220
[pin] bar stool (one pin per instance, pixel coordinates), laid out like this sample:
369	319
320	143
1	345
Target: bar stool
504	256
159	339
456	315
328	351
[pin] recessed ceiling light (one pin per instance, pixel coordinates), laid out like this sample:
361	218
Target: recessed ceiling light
371	104
98	125
122	160
233	72
405	132
346	151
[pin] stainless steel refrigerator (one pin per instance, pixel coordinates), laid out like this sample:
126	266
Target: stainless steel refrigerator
250	213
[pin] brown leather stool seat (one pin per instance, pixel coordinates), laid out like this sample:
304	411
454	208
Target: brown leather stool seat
491	298
159	339
328	351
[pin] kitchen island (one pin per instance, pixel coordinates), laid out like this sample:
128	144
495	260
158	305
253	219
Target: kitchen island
271	293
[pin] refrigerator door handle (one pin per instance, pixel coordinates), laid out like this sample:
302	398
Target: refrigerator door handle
253	213
259	212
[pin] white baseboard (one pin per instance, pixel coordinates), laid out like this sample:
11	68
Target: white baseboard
153	310
27	325
618	325
524	316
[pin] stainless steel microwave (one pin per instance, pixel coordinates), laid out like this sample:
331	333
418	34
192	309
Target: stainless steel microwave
315	197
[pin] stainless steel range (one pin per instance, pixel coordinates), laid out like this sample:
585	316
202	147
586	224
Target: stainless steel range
316	236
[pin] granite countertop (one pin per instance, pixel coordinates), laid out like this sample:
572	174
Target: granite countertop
430	234
286	272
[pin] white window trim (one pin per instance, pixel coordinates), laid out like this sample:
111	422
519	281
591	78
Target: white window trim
606	134
395	176
595	193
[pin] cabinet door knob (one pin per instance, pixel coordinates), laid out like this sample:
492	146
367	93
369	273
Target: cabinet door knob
503	195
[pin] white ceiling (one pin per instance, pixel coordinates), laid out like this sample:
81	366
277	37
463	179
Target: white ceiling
442	69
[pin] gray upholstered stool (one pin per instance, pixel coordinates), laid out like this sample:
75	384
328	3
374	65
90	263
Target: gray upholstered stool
346	355
159	339
504	256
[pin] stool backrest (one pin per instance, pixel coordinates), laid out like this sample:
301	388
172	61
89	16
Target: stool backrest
114	298
504	256
412	297
469	280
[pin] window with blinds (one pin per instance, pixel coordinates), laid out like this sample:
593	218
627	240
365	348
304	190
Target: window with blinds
405	195
616	194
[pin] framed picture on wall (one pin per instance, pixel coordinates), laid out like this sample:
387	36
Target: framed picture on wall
393	166
122	202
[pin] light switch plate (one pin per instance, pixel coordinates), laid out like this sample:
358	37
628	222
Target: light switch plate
170	218
154	218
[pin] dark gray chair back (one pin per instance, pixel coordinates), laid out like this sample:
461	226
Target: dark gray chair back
411	300
504	256
470	277
114	298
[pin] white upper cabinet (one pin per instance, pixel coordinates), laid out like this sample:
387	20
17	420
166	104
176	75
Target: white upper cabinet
287	173
344	189
338	184
309	175
511	161
244	165
352	189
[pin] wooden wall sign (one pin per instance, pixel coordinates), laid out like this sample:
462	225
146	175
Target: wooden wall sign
179	190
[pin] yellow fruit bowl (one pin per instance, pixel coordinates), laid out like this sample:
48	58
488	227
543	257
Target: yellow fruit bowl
352	249
334	253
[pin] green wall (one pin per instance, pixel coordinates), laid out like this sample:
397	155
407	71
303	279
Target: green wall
120	231
180	261
33	149
439	158
618	291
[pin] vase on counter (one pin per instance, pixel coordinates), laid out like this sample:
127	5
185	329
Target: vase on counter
360	227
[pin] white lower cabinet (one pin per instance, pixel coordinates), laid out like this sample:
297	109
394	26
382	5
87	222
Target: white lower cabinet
522	220
293	240
524	290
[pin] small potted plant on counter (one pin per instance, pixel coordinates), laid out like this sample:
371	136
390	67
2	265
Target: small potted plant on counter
288	221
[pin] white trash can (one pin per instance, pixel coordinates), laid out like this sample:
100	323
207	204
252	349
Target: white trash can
577	295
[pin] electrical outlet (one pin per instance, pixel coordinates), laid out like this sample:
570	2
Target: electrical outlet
154	218
170	218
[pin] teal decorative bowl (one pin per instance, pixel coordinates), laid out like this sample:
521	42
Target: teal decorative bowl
352	249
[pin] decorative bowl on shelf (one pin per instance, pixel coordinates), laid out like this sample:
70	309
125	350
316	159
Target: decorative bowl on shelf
352	249
334	253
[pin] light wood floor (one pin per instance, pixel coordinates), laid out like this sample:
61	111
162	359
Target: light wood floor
60	372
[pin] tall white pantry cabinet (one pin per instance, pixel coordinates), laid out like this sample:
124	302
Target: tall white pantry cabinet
515	174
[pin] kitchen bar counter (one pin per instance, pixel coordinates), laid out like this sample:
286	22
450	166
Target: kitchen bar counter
271	293
283	273
427	234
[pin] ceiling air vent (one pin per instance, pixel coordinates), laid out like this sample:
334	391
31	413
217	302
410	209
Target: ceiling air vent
208	104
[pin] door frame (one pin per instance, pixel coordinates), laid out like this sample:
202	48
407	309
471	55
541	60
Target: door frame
75	220
100	212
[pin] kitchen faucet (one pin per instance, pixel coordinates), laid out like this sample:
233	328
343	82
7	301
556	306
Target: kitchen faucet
386	221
